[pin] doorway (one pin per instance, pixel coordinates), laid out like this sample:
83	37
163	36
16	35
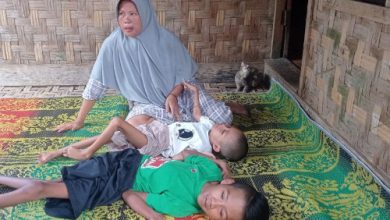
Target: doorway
288	41
294	30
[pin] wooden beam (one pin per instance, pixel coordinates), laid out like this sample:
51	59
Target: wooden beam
306	45
278	29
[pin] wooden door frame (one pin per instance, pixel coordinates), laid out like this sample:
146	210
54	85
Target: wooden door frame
306	45
278	29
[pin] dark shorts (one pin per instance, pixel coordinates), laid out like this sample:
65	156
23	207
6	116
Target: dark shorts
95	182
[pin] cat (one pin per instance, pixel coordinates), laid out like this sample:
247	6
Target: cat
249	78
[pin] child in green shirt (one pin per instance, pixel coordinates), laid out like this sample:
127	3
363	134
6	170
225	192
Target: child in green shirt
151	186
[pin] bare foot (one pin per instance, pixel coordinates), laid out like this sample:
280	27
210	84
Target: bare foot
77	154
48	156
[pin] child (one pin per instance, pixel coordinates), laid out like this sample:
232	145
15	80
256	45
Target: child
153	137
151	186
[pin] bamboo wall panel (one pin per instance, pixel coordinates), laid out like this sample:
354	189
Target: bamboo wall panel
347	75
69	31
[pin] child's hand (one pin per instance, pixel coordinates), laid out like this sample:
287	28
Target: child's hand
190	87
224	167
228	181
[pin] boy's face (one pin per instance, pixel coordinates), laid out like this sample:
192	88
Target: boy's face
222	201
129	20
222	132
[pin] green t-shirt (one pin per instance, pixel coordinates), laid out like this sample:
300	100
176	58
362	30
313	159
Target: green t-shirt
173	186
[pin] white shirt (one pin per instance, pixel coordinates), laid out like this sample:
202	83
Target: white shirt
194	135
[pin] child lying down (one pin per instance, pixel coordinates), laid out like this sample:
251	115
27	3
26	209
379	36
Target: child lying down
152	137
152	186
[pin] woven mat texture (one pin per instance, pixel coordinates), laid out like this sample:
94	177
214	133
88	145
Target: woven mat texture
304	173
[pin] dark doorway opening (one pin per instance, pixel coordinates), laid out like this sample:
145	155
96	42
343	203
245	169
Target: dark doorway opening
288	41
294	31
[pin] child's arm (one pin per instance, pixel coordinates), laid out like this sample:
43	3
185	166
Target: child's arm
196	111
221	163
177	90
137	202
225	170
185	153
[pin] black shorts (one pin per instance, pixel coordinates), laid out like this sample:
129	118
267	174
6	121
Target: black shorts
95	182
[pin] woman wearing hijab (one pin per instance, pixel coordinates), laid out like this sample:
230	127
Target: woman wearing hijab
145	63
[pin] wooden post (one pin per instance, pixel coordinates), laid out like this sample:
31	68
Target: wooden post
306	45
278	29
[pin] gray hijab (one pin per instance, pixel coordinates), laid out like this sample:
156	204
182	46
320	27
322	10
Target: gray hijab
145	68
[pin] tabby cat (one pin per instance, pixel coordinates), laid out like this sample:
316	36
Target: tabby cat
250	78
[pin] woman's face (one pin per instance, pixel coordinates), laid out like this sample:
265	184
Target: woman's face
129	20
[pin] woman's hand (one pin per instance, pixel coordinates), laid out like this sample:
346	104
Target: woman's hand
74	125
190	87
172	106
78	123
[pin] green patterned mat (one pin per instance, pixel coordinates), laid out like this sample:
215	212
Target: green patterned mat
304	173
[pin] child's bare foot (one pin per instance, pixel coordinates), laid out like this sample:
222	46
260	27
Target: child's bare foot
77	154
48	156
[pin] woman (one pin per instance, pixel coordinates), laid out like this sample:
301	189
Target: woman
144	61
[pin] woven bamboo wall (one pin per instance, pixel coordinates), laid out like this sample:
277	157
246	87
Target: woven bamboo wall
70	31
347	75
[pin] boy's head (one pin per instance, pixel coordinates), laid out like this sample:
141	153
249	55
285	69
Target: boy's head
233	201
228	142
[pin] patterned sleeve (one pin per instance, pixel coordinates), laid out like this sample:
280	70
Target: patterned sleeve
94	90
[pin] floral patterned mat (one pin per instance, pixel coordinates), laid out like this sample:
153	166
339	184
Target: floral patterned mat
304	173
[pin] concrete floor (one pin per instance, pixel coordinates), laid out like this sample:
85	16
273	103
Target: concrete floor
43	75
54	80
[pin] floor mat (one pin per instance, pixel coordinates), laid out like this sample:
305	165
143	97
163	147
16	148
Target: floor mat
302	170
